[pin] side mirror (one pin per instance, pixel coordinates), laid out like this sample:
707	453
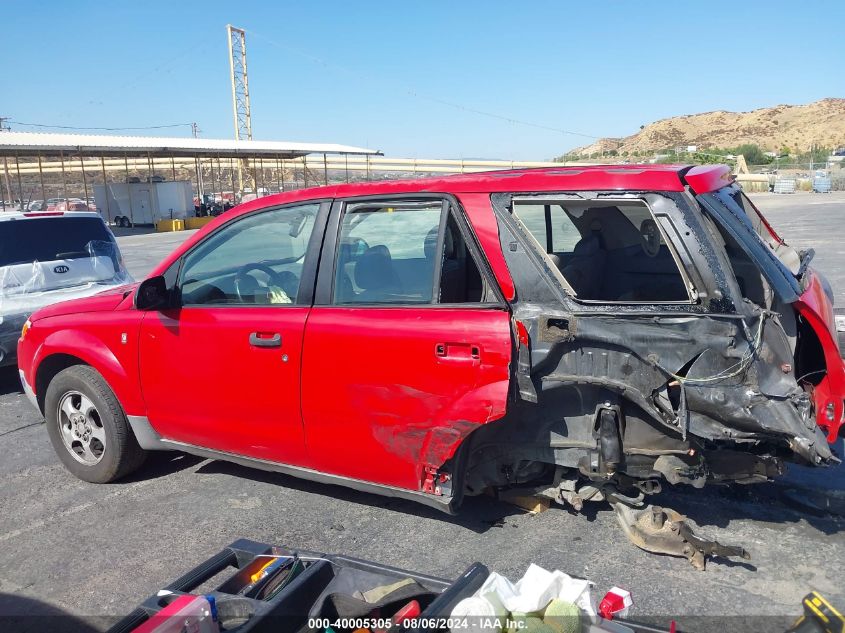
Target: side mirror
152	294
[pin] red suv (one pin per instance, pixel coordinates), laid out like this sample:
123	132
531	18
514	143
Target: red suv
574	330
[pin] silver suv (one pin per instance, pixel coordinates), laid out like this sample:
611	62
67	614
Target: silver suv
50	257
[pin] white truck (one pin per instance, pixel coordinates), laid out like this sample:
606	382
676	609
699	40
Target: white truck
131	203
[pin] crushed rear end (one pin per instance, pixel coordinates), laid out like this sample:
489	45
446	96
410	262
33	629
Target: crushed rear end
665	336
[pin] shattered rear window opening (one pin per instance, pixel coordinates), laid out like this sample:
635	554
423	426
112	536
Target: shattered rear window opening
610	251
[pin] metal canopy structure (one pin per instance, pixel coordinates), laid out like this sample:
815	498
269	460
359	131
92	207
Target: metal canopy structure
13	144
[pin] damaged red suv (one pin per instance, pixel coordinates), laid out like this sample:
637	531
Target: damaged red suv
584	332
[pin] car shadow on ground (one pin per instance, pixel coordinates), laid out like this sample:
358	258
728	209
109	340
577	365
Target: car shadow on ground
161	464
715	506
10	381
764	503
478	514
28	615
120	231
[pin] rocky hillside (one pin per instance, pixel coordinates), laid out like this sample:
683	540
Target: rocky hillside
796	127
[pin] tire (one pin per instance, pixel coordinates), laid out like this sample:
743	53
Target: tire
88	428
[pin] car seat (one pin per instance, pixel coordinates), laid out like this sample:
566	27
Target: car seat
585	269
375	275
344	290
452	275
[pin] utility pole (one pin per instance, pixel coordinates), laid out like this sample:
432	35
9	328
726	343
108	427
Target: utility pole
195	131
4	127
236	39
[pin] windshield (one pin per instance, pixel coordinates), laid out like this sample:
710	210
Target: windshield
49	239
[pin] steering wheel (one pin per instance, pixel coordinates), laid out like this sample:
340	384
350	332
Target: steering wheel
246	284
650	235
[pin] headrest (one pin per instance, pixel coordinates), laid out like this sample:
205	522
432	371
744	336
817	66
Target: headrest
344	254
430	245
589	245
374	269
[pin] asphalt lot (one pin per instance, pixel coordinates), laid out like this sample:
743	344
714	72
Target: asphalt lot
96	551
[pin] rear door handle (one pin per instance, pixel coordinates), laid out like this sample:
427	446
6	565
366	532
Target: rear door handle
263	339
458	351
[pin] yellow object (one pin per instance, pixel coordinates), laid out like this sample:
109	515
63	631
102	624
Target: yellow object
257	575
819	615
533	505
563	616
26	325
197	223
170	225
277	295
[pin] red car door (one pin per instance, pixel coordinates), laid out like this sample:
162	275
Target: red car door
407	349
221	369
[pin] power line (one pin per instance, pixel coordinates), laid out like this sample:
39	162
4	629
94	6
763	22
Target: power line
410	91
106	129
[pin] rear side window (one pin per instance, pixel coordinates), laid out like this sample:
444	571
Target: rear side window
50	239
550	226
607	251
404	253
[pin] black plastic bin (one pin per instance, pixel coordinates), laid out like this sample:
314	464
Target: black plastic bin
300	600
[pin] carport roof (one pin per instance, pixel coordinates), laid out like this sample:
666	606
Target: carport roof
50	144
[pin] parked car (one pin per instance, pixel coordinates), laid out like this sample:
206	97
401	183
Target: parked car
70	204
585	332
50	204
47	258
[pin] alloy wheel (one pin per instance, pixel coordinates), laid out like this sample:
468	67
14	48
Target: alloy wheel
81	428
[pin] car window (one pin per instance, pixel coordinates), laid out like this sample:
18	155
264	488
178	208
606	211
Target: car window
606	251
387	253
461	280
49	239
255	260
777	262
550	226
788	255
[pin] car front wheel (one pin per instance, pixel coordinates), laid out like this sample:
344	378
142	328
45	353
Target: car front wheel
88	428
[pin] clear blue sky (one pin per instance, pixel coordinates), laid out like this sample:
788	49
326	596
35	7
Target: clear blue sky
410	78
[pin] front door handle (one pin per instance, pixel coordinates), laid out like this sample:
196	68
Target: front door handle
264	339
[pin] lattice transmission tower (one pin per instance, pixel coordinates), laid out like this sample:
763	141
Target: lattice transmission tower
240	95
